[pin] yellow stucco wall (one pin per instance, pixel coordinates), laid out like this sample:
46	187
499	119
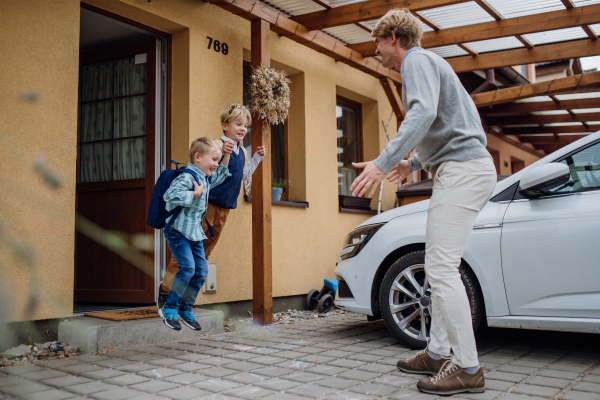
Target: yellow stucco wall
40	51
504	153
40	48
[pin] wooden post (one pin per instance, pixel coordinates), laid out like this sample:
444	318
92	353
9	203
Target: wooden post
262	256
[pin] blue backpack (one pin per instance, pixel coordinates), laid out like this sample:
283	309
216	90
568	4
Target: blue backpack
157	213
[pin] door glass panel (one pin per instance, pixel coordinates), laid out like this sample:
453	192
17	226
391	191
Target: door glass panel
347	147
130	116
96	121
95	160
97	81
113	107
130	78
130	159
585	171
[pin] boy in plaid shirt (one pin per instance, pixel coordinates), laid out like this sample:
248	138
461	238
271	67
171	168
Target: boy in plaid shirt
186	235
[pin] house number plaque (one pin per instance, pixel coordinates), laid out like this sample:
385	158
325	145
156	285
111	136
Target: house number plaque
218	46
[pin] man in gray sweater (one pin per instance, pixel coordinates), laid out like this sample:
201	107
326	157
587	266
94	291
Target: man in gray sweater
443	123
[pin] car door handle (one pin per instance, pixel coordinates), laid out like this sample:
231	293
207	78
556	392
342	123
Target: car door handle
486	226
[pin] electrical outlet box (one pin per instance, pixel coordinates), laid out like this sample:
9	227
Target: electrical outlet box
210	286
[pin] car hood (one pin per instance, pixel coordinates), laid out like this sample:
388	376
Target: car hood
421	206
397	212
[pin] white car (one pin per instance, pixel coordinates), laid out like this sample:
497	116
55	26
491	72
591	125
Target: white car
532	260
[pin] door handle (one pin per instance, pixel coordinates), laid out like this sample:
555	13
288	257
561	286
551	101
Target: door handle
487	226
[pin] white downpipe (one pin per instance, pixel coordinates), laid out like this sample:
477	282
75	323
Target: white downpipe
387	140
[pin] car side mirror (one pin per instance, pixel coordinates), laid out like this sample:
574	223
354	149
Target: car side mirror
543	178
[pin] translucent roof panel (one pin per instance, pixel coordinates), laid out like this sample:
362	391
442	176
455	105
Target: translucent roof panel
295	7
338	3
505	43
586	110
550	112
534	99
579	3
574	96
448	51
520	126
458	15
559	35
349	34
574	133
596	28
564	124
519	8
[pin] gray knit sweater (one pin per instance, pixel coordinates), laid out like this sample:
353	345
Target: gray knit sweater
441	119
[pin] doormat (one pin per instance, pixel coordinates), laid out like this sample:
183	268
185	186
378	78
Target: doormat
126	315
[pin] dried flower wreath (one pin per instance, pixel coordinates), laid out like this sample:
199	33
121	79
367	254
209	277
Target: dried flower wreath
269	94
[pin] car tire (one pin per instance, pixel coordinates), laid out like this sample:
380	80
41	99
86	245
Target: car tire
406	322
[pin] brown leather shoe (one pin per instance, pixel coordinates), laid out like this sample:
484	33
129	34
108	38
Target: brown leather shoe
422	363
453	379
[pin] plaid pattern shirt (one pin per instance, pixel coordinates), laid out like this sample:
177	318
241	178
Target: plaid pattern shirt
181	193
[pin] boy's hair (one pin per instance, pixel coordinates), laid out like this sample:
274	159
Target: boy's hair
401	23
234	112
203	145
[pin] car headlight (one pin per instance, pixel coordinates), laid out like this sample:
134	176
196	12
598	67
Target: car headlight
357	239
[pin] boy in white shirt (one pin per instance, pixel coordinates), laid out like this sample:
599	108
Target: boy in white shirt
235	120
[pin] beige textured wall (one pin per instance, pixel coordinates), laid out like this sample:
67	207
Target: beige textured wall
40	51
506	151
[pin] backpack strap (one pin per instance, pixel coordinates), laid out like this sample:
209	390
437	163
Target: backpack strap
176	164
245	155
175	212
189	171
210	229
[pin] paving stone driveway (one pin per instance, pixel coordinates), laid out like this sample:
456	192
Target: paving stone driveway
338	357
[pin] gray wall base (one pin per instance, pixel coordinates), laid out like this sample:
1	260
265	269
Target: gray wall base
244	308
94	334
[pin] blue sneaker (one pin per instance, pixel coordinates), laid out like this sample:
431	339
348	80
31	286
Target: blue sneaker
170	319
190	320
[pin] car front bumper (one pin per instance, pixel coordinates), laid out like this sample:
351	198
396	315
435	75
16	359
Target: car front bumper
358	273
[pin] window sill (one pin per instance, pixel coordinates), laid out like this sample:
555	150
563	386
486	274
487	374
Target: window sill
300	204
358	211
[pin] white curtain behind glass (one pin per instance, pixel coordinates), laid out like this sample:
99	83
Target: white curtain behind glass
113	159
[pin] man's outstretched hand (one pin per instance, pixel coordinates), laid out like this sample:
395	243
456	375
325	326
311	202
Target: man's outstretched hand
370	177
399	172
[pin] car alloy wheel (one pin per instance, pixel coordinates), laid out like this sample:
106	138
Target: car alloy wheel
405	299
410	302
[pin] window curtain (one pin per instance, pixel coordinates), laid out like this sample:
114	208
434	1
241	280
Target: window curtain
107	115
95	159
346	177
347	147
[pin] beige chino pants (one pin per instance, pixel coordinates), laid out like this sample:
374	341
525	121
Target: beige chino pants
460	191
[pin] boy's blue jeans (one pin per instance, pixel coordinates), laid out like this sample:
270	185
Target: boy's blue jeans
193	269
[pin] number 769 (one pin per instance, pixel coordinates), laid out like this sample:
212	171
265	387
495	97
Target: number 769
218	46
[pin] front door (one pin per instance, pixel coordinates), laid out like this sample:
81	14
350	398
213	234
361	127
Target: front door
550	251
115	174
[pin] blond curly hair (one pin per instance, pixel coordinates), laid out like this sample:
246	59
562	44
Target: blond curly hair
404	25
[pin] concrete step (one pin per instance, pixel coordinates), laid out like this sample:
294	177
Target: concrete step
94	334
